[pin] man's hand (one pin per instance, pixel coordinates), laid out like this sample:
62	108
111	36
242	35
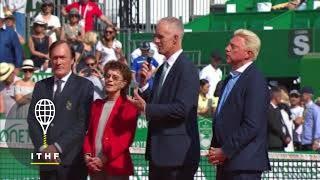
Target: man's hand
145	73
216	156
298	121
316	145
51	149
138	101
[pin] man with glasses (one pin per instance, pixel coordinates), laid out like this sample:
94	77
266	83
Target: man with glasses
92	73
297	116
53	22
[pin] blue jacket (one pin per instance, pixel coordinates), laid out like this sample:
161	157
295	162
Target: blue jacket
10	47
240	128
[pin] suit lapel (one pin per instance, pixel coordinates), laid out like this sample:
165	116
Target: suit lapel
68	88
49	88
115	110
236	86
172	71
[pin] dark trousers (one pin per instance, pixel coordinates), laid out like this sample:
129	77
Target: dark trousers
78	172
172	173
237	175
306	147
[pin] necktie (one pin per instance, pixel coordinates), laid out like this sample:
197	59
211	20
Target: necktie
163	75
58	91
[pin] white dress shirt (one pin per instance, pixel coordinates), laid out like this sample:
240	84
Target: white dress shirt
172	59
64	79
18	5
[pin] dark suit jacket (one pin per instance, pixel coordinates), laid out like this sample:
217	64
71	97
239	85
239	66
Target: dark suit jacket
275	133
71	116
173	137
240	128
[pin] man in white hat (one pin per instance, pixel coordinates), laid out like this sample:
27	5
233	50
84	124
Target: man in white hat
7	79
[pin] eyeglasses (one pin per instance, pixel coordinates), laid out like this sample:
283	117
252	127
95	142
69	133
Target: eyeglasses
27	70
114	77
108	32
46	5
90	64
73	16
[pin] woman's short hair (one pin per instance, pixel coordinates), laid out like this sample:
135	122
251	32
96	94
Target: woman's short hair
124	71
90	38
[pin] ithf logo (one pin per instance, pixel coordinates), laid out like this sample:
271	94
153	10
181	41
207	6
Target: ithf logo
300	42
44	112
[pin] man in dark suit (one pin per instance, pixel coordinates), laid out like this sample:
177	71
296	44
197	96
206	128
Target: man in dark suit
72	96
239	145
276	137
173	148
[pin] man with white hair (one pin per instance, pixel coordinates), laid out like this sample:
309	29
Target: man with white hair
239	145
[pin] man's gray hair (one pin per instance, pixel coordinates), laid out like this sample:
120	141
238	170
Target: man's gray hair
177	23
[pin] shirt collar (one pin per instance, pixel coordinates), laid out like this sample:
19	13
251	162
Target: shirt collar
244	67
240	70
309	104
65	78
173	58
273	105
4	27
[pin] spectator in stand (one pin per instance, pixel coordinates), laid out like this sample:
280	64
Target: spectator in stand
204	103
11	23
276	136
73	32
212	72
86	48
7	80
153	48
39	44
23	89
18	9
10	48
297	117
109	48
318	101
92	73
311	126
216	96
284	108
53	22
88	11
291	5
112	127
137	63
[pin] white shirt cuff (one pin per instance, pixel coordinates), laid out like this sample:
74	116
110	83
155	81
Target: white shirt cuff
58	147
145	87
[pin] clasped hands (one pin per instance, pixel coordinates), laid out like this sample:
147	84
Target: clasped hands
50	149
95	164
216	156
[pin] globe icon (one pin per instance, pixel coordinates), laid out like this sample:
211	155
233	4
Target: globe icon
44	112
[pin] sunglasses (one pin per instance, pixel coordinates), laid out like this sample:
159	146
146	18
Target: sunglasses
74	16
108	32
27	70
90	64
46	5
294	95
